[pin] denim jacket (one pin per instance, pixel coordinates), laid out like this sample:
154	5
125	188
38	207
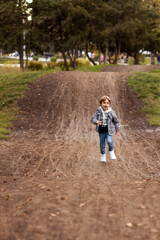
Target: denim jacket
113	123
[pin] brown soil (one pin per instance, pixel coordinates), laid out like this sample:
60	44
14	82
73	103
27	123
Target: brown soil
53	186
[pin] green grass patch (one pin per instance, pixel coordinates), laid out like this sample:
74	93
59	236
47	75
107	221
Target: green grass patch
6	70
95	68
4	60
147	85
12	87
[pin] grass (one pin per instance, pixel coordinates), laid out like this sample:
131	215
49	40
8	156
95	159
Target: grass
6	70
4	60
12	87
142	60
147	85
95	68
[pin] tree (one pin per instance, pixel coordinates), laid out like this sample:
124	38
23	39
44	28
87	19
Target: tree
142	31
153	44
63	24
13	18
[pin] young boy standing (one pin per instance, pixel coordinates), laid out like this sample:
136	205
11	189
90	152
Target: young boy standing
106	123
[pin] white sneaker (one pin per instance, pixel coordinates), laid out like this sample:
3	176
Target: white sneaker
112	155
103	157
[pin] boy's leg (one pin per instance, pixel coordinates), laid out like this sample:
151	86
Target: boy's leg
102	138
109	142
110	146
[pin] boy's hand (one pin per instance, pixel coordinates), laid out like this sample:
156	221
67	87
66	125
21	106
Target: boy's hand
99	122
117	133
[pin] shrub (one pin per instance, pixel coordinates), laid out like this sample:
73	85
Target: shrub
35	58
96	57
142	58
34	65
60	64
82	63
50	65
131	60
54	59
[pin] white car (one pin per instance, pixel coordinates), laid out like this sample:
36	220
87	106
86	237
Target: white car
14	54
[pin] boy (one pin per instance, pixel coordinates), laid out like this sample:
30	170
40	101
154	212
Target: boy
106	123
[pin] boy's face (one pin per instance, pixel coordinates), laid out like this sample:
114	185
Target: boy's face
105	105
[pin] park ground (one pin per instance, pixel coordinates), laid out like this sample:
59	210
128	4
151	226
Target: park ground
53	186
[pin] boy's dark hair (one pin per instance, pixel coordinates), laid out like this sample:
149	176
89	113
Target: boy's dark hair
103	98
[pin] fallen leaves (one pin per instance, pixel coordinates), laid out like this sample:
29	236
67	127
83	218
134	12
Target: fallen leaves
82	205
111	215
138	182
140	224
8	197
55	214
142	206
129	224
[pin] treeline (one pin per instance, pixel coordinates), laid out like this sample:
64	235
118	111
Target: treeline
110	26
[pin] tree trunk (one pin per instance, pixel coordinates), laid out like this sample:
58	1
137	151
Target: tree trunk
136	58
99	57
70	58
152	59
117	52
65	60
27	52
73	62
106	55
21	53
90	59
74	66
75	57
76	53
109	58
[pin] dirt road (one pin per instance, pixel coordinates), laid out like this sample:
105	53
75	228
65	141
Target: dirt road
53	186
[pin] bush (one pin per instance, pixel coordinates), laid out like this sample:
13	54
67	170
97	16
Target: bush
34	65
54	59
35	58
131	60
50	65
142	58
96	57
82	63
60	64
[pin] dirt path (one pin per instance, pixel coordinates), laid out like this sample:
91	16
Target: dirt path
52	183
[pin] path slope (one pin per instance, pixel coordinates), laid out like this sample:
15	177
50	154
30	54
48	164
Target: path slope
53	185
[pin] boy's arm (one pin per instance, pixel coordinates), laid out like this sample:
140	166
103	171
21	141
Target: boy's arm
116	122
94	118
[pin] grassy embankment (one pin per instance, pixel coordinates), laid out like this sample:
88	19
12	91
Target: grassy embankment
147	85
12	85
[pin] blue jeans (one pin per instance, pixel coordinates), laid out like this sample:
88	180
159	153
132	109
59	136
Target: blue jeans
105	137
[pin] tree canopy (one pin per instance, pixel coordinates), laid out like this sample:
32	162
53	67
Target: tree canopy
63	25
